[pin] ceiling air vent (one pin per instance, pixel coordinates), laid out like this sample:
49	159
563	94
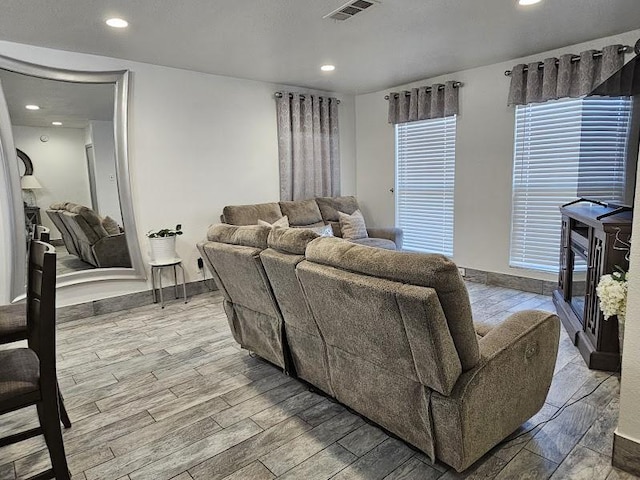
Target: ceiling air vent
350	9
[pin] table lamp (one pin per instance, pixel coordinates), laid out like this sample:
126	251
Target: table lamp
29	183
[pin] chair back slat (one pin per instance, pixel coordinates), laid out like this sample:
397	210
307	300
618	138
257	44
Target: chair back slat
41	306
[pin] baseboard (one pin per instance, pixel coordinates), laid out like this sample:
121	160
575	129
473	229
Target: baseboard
626	454
542	287
125	302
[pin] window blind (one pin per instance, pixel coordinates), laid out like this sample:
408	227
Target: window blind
563	150
425	168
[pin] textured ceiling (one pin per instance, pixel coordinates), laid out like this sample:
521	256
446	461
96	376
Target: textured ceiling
73	104
285	41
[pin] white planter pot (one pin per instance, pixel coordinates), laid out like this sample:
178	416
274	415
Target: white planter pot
163	249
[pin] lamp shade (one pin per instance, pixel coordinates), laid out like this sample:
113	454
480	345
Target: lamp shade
29	182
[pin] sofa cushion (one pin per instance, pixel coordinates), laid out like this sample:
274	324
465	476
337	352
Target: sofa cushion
376	242
281	222
330	206
322	230
250	214
290	240
91	223
248	236
58	205
302	212
428	270
111	226
353	226
20	372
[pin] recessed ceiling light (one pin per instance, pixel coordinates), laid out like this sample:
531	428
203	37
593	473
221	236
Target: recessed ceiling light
528	2
57	124
328	68
32	107
117	23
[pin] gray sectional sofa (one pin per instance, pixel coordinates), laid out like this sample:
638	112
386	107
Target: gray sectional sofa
389	334
314	212
84	236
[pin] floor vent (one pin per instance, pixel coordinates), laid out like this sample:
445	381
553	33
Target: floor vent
350	9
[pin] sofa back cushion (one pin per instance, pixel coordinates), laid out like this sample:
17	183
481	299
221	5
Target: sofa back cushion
291	240
330	206
250	214
234	254
302	213
308	352
425	270
248	236
89	222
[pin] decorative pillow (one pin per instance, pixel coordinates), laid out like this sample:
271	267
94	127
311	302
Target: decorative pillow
282	222
110	225
352	226
324	231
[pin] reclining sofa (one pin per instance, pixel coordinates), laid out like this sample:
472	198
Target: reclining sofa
85	237
389	334
315	212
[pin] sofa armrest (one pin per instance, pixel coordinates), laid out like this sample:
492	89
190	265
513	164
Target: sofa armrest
506	388
393	234
112	251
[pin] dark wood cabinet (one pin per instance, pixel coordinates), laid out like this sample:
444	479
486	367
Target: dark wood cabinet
594	241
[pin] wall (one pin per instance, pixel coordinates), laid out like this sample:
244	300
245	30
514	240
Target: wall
197	142
484	157
59	165
104	156
629	420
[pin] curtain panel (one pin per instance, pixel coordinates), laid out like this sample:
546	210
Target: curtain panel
308	146
435	101
568	76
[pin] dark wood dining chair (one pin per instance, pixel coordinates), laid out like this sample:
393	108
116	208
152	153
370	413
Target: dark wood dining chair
13	328
28	375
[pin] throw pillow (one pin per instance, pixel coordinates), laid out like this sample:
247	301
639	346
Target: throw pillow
352	226
322	230
282	222
110	225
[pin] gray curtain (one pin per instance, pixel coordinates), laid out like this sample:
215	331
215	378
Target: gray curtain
563	77
435	101
308	146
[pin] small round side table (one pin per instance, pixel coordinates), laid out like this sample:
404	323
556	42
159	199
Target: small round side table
156	267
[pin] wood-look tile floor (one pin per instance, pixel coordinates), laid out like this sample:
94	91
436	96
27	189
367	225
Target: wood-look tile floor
167	394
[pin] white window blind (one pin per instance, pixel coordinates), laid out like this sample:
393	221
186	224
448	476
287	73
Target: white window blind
425	167
564	149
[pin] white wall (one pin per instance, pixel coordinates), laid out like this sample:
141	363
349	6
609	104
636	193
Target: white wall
104	155
198	142
484	160
59	165
629	420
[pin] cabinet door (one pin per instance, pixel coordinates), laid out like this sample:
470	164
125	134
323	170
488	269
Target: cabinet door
564	257
593	316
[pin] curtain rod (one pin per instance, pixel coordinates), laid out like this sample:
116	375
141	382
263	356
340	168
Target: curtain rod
440	87
279	95
575	59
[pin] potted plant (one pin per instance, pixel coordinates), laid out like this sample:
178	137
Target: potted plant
612	292
163	244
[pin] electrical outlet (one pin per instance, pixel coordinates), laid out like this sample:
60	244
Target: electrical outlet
462	271
200	263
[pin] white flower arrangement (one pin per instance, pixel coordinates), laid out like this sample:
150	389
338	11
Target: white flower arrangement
612	292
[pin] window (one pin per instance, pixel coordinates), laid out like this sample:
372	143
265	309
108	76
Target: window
425	167
564	149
